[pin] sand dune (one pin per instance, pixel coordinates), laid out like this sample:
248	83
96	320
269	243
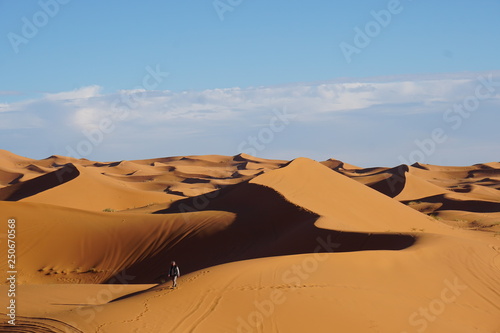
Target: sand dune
125	184
8	177
346	292
443	191
400	183
263	245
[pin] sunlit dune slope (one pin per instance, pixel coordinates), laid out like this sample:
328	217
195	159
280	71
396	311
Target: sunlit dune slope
263	245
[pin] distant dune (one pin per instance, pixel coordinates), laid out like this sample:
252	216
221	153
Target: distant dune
263	245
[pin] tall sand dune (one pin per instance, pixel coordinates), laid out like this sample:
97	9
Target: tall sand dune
263	245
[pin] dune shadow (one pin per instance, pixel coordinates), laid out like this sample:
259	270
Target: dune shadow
475	206
395	182
39	184
266	225
131	294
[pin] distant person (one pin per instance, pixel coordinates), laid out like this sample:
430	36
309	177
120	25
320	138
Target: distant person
174	273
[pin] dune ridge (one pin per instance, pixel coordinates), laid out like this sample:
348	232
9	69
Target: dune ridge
262	244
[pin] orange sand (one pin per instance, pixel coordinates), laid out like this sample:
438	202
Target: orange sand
263	245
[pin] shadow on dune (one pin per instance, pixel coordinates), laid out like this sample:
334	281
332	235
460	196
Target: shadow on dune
476	206
39	184
484	173
395	182
266	225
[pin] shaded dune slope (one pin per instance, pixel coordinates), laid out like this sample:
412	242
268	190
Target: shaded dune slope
97	245
266	224
40	184
243	221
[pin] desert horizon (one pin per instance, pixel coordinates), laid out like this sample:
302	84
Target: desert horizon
261	245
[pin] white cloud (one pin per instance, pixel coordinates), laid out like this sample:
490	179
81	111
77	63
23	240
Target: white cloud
327	113
87	118
77	94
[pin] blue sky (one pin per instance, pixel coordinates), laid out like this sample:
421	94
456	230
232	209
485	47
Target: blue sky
233	64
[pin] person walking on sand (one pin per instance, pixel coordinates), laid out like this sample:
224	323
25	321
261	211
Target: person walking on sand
174	273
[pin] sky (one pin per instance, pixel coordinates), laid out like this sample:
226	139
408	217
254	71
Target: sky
367	82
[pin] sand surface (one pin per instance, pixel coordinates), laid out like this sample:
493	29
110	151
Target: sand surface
263	245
